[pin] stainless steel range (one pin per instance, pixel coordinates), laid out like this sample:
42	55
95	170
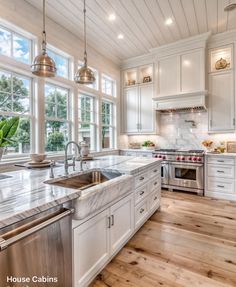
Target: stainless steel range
182	169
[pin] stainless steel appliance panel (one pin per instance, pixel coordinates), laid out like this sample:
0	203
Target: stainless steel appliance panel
186	175
40	250
164	173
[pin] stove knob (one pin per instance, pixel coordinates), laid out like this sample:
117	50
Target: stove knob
183	158
190	158
194	159
177	158
164	157
199	159
160	156
155	155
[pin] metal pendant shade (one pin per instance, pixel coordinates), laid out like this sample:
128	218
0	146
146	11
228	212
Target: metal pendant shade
84	75
43	65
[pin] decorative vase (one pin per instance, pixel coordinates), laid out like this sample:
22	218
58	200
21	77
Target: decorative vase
1	152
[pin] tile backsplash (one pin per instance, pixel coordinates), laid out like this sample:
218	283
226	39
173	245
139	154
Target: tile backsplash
180	130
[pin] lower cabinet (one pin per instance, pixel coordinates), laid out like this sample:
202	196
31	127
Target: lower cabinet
220	177
96	240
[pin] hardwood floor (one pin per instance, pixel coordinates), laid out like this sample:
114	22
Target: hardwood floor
190	242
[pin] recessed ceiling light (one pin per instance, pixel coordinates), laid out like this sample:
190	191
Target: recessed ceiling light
168	21
120	36
112	17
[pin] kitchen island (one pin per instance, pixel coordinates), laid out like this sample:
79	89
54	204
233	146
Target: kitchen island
106	215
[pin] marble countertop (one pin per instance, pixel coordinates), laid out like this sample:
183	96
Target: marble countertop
24	193
138	150
221	154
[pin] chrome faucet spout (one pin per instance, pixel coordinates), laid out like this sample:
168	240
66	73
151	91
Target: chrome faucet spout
67	164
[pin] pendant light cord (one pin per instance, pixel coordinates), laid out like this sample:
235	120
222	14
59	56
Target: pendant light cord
85	38
44	30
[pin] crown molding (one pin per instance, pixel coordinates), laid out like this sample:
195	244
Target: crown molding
180	46
222	39
137	61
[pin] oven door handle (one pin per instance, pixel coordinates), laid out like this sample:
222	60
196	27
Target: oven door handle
186	165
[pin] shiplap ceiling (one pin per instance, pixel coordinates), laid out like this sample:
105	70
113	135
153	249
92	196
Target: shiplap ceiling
142	22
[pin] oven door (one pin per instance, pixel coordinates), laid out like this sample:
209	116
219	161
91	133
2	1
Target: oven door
186	175
164	173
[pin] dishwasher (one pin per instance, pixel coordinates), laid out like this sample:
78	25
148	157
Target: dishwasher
37	252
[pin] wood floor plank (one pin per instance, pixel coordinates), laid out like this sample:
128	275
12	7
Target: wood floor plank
190	242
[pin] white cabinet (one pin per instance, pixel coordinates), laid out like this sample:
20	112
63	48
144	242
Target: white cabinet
131	110
90	248
96	240
191	66
122	223
168	71
220	177
139	114
181	73
221	102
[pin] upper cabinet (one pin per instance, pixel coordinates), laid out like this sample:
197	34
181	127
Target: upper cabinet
181	73
138	75
138	111
221	79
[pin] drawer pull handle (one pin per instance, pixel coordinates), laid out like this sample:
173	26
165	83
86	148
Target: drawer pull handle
141	178
221	186
155	183
141	210
155	170
155	198
112	220
220	160
109	222
141	193
220	171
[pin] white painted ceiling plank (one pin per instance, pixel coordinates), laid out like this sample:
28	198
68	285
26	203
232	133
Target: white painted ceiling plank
222	16
200	9
180	17
190	14
212	15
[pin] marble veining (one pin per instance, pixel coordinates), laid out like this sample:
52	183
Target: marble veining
25	193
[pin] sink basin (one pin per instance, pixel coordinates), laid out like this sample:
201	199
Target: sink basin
85	180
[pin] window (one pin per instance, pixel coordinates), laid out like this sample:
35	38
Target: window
87	121
62	63
15	100
15	46
108	86
56	113
108	128
95	84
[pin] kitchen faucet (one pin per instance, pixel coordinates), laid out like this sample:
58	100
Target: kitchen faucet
67	164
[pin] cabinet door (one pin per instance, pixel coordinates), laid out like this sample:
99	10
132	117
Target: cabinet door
221	108
130	116
90	248
192	76
168	72
122	222
146	110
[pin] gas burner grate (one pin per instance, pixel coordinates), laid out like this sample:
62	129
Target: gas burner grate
196	151
166	150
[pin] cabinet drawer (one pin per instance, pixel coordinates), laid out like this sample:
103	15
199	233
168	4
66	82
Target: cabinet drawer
223	186
220	160
140	193
154	200
141	211
141	179
221	171
155	171
155	184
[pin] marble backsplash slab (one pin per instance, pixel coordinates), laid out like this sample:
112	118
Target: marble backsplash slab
177	132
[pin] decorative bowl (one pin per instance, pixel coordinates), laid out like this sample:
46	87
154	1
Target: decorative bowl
36	157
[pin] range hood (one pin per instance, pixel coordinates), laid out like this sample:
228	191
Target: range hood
181	102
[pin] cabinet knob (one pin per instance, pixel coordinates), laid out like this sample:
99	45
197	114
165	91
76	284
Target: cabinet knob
141	178
141	210
141	193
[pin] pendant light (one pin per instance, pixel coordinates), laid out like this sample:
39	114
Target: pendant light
84	75
43	65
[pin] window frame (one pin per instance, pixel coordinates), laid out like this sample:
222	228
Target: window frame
93	123
68	119
113	85
12	32
61	54
111	126
30	115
